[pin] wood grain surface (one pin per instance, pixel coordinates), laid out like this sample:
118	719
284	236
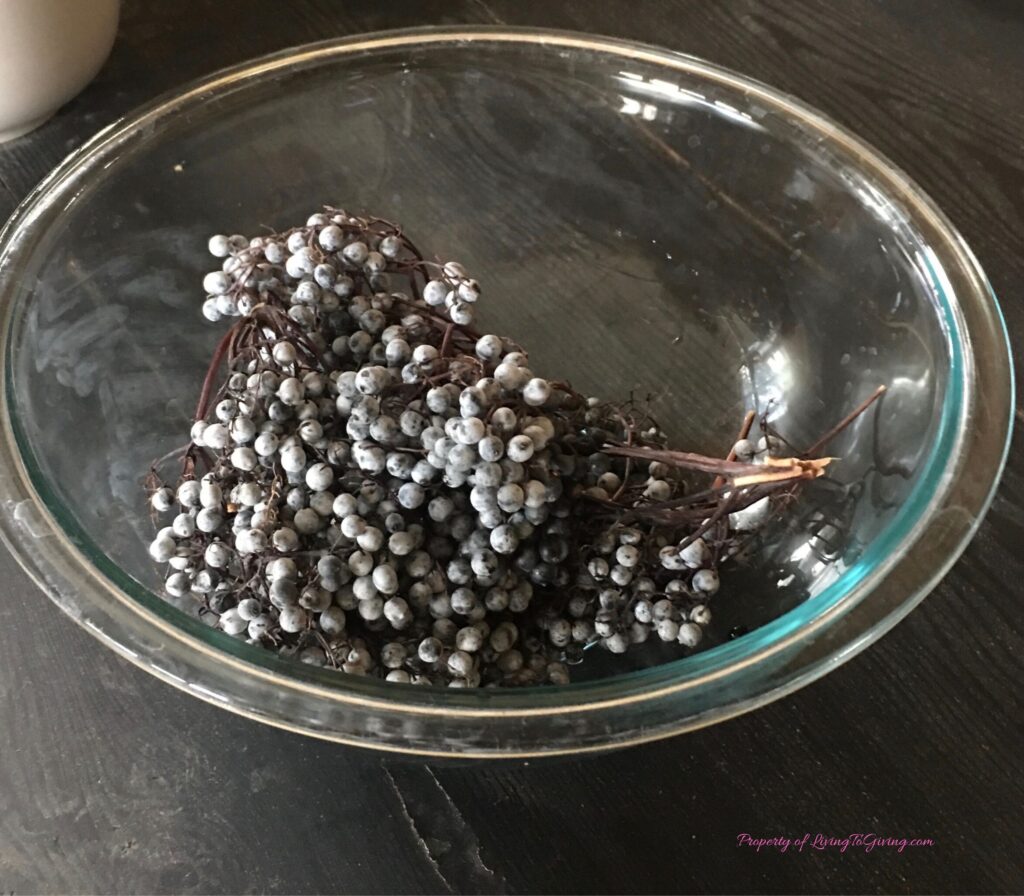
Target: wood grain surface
113	782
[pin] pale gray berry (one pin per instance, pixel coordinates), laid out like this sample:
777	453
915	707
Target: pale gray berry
319	476
393	655
385	579
460	663
307	521
668	629
398	613
217	555
356	252
429	650
232	623
689	634
706	581
332	621
701	615
520	448
209	520
177	584
370	539
617	643
293	619
162	548
537	392
628	556
469	639
696	554
162	500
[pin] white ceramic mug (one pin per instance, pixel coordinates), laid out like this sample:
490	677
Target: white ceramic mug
49	51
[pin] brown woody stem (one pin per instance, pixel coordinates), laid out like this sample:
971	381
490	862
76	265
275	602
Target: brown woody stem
846	421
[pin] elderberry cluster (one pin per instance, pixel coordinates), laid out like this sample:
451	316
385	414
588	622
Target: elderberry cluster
376	487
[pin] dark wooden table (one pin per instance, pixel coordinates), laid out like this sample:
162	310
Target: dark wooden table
113	782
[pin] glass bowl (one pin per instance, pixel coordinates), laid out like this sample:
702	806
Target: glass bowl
646	223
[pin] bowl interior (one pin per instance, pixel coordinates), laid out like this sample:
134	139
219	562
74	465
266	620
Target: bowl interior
646	232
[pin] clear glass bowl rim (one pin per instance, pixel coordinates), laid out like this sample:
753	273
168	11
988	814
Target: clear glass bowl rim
142	627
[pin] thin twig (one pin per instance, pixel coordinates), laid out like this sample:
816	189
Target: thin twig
211	371
846	421
687	460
